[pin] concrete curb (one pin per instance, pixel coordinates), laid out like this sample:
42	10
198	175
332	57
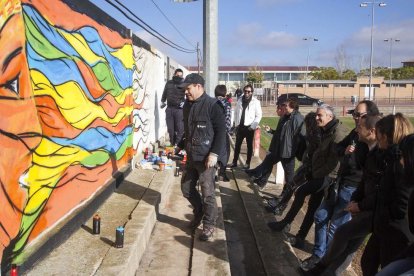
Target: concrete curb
134	205
204	262
138	229
63	229
275	260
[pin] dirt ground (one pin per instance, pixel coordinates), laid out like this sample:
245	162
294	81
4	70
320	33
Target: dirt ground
356	262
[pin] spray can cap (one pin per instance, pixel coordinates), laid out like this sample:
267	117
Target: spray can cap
120	228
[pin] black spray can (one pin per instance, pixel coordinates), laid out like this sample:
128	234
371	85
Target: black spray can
96	225
119	239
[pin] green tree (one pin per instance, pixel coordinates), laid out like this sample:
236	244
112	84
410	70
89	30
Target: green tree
403	73
255	75
348	74
325	73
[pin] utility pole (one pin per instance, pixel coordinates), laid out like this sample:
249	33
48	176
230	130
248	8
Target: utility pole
307	61
198	57
371	58
210	49
391	40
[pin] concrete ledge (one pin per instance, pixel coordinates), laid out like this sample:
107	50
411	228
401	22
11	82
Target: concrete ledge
63	229
125	261
134	205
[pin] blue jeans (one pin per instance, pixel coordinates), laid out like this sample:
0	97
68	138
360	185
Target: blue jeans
329	217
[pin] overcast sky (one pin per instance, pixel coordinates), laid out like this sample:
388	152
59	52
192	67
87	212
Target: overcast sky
271	32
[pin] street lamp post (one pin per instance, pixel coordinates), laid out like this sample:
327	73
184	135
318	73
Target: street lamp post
307	60
391	40
363	5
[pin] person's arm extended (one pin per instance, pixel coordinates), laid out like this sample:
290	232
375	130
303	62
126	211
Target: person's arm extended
164	93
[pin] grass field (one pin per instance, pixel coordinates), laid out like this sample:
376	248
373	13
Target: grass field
272	122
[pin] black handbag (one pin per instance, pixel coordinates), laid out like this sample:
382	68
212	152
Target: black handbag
331	190
299	178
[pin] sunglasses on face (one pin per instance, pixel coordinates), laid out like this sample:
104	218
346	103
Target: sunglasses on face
358	114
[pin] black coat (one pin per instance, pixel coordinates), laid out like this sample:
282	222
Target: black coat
285	137
172	94
366	191
204	128
351	165
393	192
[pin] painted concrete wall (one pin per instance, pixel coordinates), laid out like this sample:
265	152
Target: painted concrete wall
78	100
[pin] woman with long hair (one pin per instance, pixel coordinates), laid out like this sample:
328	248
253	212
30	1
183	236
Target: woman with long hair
405	261
390	227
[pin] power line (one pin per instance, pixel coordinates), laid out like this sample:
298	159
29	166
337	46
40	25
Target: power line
149	29
172	24
152	29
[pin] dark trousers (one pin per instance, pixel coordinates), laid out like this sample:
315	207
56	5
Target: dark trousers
313	188
346	241
263	171
225	158
196	172
382	249
243	132
175	124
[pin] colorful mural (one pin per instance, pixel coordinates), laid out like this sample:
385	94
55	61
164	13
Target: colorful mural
66	102
77	102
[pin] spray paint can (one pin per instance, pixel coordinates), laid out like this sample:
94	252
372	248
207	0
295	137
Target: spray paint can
119	237
13	271
96	224
146	154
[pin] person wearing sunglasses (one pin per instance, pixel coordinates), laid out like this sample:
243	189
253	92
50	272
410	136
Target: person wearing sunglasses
247	116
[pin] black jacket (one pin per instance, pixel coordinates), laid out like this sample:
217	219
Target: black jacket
350	171
204	128
365	193
174	95
285	137
393	192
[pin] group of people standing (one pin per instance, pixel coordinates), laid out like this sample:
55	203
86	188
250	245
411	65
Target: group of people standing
360	182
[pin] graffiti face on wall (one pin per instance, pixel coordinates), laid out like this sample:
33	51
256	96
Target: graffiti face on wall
20	129
65	115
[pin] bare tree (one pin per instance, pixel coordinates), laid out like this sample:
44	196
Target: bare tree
363	63
341	59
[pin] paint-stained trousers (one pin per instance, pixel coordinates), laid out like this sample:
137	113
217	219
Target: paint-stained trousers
195	173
